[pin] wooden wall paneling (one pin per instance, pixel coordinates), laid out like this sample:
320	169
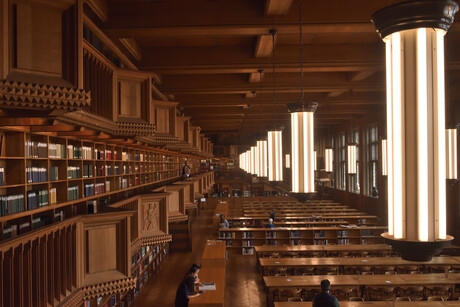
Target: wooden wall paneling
4	40
50	268
35	274
27	276
43	251
18	271
165	116
79	39
72	62
7	268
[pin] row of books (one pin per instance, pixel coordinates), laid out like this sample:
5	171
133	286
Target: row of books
295	242
2	176
36	199
99	188
294	234
227	235
318	234
87	170
10	204
36	149
88	190
74	152
53	196
72	193
248	234
36	174
247	251
248	243
57	151
73	172
320	242
270	234
342	233
54	173
343	241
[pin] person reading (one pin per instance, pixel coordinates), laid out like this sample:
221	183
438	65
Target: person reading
186	289
186	170
325	299
223	223
270	223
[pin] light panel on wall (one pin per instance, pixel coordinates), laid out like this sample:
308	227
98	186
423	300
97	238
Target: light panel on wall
302	150
288	161
451	154
275	154
351	158
328	160
315	168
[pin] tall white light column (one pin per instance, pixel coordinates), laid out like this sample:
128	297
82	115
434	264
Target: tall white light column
275	155
328	160
451	154
263	158
302	151
413	33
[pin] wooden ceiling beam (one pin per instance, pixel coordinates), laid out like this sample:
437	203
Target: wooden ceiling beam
360	75
85	133
239	30
277	7
132	47
264	46
52	128
23	121
255	77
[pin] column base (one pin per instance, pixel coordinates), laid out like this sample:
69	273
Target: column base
417	250
303	197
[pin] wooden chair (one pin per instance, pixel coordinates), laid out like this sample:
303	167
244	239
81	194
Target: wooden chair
437	268
441	291
286	294
342	293
305	271
414	293
435	298
277	272
402	299
355	299
406	269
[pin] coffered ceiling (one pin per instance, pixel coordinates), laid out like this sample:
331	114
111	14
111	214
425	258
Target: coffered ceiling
215	57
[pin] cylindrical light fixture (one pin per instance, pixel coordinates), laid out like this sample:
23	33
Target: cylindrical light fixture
384	158
288	161
253	160
315	168
275	155
302	151
413	33
351	158
263	158
451	154
248	161
328	160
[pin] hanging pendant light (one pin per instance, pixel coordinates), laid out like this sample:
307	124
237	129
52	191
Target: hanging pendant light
288	161
263	158
413	33
328	160
302	136
384	158
351	151
275	134
451	154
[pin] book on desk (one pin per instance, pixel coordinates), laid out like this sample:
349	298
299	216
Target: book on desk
207	286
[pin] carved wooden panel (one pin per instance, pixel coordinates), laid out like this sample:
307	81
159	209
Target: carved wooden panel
151	216
174	201
102	245
162	120
39	38
129	98
180	124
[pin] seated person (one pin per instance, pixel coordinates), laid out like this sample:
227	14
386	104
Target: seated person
325	299
270	224
186	289
223	223
273	215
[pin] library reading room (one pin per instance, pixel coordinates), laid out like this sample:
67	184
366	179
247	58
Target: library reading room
237	153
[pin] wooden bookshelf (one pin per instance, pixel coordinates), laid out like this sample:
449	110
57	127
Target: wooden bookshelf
75	174
243	240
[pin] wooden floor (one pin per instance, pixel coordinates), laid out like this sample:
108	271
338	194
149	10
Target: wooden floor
243	283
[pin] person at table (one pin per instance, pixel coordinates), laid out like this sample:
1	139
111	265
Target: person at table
186	289
273	215
223	223
325	299
270	223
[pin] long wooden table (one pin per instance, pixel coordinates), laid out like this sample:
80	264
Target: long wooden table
267	263
214	298
330	248
214	254
375	304
361	281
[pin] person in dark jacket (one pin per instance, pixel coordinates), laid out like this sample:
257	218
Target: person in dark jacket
186	288
273	215
325	299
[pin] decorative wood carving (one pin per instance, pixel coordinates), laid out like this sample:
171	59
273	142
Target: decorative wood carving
38	96
137	129
109	288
